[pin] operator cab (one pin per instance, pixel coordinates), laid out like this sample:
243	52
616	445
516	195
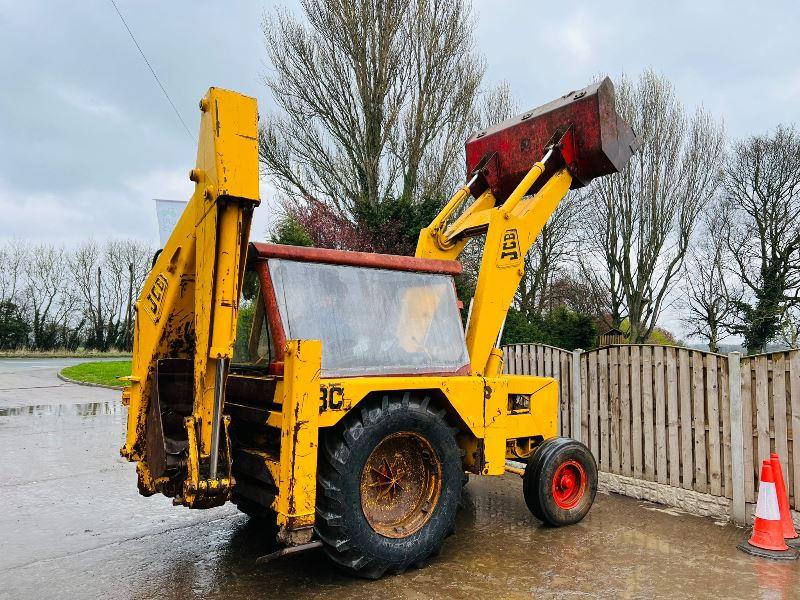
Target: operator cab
374	314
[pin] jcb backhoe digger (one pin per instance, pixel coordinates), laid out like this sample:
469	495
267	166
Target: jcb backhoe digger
339	391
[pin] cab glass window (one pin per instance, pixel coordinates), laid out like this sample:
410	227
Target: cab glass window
253	345
371	321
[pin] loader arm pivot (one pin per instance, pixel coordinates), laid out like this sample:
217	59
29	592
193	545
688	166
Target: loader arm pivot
186	314
520	170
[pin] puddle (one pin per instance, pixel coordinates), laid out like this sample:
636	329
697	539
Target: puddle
87	409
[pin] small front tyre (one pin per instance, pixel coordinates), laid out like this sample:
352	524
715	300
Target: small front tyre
560	482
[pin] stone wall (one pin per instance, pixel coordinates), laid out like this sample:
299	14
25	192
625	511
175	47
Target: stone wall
695	503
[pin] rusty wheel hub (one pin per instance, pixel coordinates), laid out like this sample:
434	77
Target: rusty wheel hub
400	484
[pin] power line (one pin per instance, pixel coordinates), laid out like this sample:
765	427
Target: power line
149	66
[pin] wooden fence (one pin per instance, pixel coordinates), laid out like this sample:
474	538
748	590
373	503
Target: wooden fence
696	420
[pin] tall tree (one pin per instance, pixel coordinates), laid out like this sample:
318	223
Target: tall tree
639	223
13	255
107	280
49	294
762	192
789	332
547	259
86	270
126	264
710	293
377	98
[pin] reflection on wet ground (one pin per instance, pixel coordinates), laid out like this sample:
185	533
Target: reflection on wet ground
86	409
74	527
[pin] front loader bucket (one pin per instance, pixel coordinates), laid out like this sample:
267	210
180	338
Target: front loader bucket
603	142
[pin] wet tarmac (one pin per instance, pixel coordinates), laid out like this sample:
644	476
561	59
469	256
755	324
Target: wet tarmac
72	525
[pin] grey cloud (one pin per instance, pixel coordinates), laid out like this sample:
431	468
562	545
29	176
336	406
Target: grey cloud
87	140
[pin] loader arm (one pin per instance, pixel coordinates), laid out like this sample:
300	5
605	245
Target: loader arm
511	228
520	171
186	313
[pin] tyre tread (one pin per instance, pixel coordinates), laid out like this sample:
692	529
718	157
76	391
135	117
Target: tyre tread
334	450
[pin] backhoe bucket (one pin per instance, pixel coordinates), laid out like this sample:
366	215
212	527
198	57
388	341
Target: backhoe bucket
603	142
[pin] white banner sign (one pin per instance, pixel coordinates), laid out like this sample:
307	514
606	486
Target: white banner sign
168	212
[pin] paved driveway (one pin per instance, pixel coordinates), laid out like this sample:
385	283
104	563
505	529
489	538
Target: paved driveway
72	525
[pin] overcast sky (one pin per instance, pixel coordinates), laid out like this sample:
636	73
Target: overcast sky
87	139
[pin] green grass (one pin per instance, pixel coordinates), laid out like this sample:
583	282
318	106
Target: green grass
105	372
62	353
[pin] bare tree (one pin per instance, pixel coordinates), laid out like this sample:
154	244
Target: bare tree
376	97
710	293
85	266
50	299
496	104
762	192
14	326
548	257
127	264
49	293
12	267
639	223
789	332
575	290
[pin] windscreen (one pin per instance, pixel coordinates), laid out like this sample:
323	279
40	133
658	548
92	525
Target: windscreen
371	321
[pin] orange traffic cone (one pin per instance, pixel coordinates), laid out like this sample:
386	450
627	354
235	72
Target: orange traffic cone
790	535
767	539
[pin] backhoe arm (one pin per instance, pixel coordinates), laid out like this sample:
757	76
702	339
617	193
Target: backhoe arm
186	314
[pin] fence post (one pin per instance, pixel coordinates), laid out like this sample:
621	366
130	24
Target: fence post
737	439
576	395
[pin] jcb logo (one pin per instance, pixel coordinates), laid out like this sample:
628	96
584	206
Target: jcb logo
331	397
509	249
153	301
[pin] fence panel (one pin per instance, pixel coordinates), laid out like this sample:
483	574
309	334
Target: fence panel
771	384
663	413
647	413
636	409
584	385
673	419
563	361
593	359
712	418
660	401
614	409
725	418
625	409
687	437
747	427
793	431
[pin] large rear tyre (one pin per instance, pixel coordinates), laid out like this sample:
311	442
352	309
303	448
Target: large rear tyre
389	484
560	482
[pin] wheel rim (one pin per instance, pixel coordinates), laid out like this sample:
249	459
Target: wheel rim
569	484
400	484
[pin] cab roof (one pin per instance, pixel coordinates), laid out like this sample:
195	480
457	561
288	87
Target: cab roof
262	251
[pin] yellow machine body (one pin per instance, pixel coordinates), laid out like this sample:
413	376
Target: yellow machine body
180	414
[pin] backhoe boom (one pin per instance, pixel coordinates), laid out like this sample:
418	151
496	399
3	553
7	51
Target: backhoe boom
186	315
